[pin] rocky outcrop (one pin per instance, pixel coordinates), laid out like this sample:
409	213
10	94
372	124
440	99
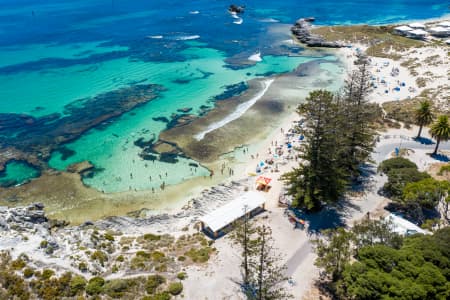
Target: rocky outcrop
26	216
236	9
302	31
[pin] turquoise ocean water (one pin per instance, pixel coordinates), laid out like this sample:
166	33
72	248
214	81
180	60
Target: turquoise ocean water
57	52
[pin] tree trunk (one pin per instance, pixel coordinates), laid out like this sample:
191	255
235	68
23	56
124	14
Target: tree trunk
245	249
420	131
438	140
261	265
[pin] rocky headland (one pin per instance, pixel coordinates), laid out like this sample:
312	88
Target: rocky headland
302	32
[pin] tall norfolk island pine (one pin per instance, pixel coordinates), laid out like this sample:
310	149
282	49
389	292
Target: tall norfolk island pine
339	138
440	130
423	115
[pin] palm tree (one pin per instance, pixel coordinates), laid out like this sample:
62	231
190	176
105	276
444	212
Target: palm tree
423	115
440	130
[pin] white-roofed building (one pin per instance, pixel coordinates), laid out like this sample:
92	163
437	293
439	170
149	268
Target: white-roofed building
444	24
249	202
402	29
417	26
404	227
439	31
447	42
417	34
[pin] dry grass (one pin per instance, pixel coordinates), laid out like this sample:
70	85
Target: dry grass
380	39
403	110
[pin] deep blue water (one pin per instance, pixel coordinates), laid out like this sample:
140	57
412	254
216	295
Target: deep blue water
127	22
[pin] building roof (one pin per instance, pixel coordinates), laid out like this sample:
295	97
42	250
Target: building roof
416	25
439	29
404	227
403	28
233	210
418	32
447	41
444	24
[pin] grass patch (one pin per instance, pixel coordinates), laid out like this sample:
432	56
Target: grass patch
381	39
200	255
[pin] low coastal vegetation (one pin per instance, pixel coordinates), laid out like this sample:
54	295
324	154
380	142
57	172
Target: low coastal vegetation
381	39
150	268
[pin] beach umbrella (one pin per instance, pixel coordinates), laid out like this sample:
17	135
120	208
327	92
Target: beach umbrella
263	180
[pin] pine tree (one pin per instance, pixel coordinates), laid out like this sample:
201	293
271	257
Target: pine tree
320	178
242	236
357	115
267	273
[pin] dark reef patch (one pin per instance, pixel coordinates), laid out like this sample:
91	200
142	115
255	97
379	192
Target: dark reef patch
65	152
232	90
33	139
161	119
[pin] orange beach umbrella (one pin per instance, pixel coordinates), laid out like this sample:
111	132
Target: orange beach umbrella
263	180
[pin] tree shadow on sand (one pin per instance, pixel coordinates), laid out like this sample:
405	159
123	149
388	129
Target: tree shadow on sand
424	140
440	157
335	215
329	217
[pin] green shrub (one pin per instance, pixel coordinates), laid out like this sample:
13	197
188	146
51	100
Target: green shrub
181	258
100	256
77	285
47	273
399	178
95	286
18	264
28	273
44	244
181	275
159	296
116	288
151	237
396	163
143	254
109	237
82	267
158	256
175	288
199	255
120	258
153	281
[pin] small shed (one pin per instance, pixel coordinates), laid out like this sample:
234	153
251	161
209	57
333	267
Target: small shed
223	217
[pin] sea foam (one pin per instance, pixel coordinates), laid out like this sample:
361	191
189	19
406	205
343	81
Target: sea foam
238	112
238	21
255	57
188	37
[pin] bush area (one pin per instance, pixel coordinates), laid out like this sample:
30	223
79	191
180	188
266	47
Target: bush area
400	172
420	269
373	262
106	253
413	192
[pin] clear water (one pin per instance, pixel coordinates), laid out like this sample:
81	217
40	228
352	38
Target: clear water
57	52
17	172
